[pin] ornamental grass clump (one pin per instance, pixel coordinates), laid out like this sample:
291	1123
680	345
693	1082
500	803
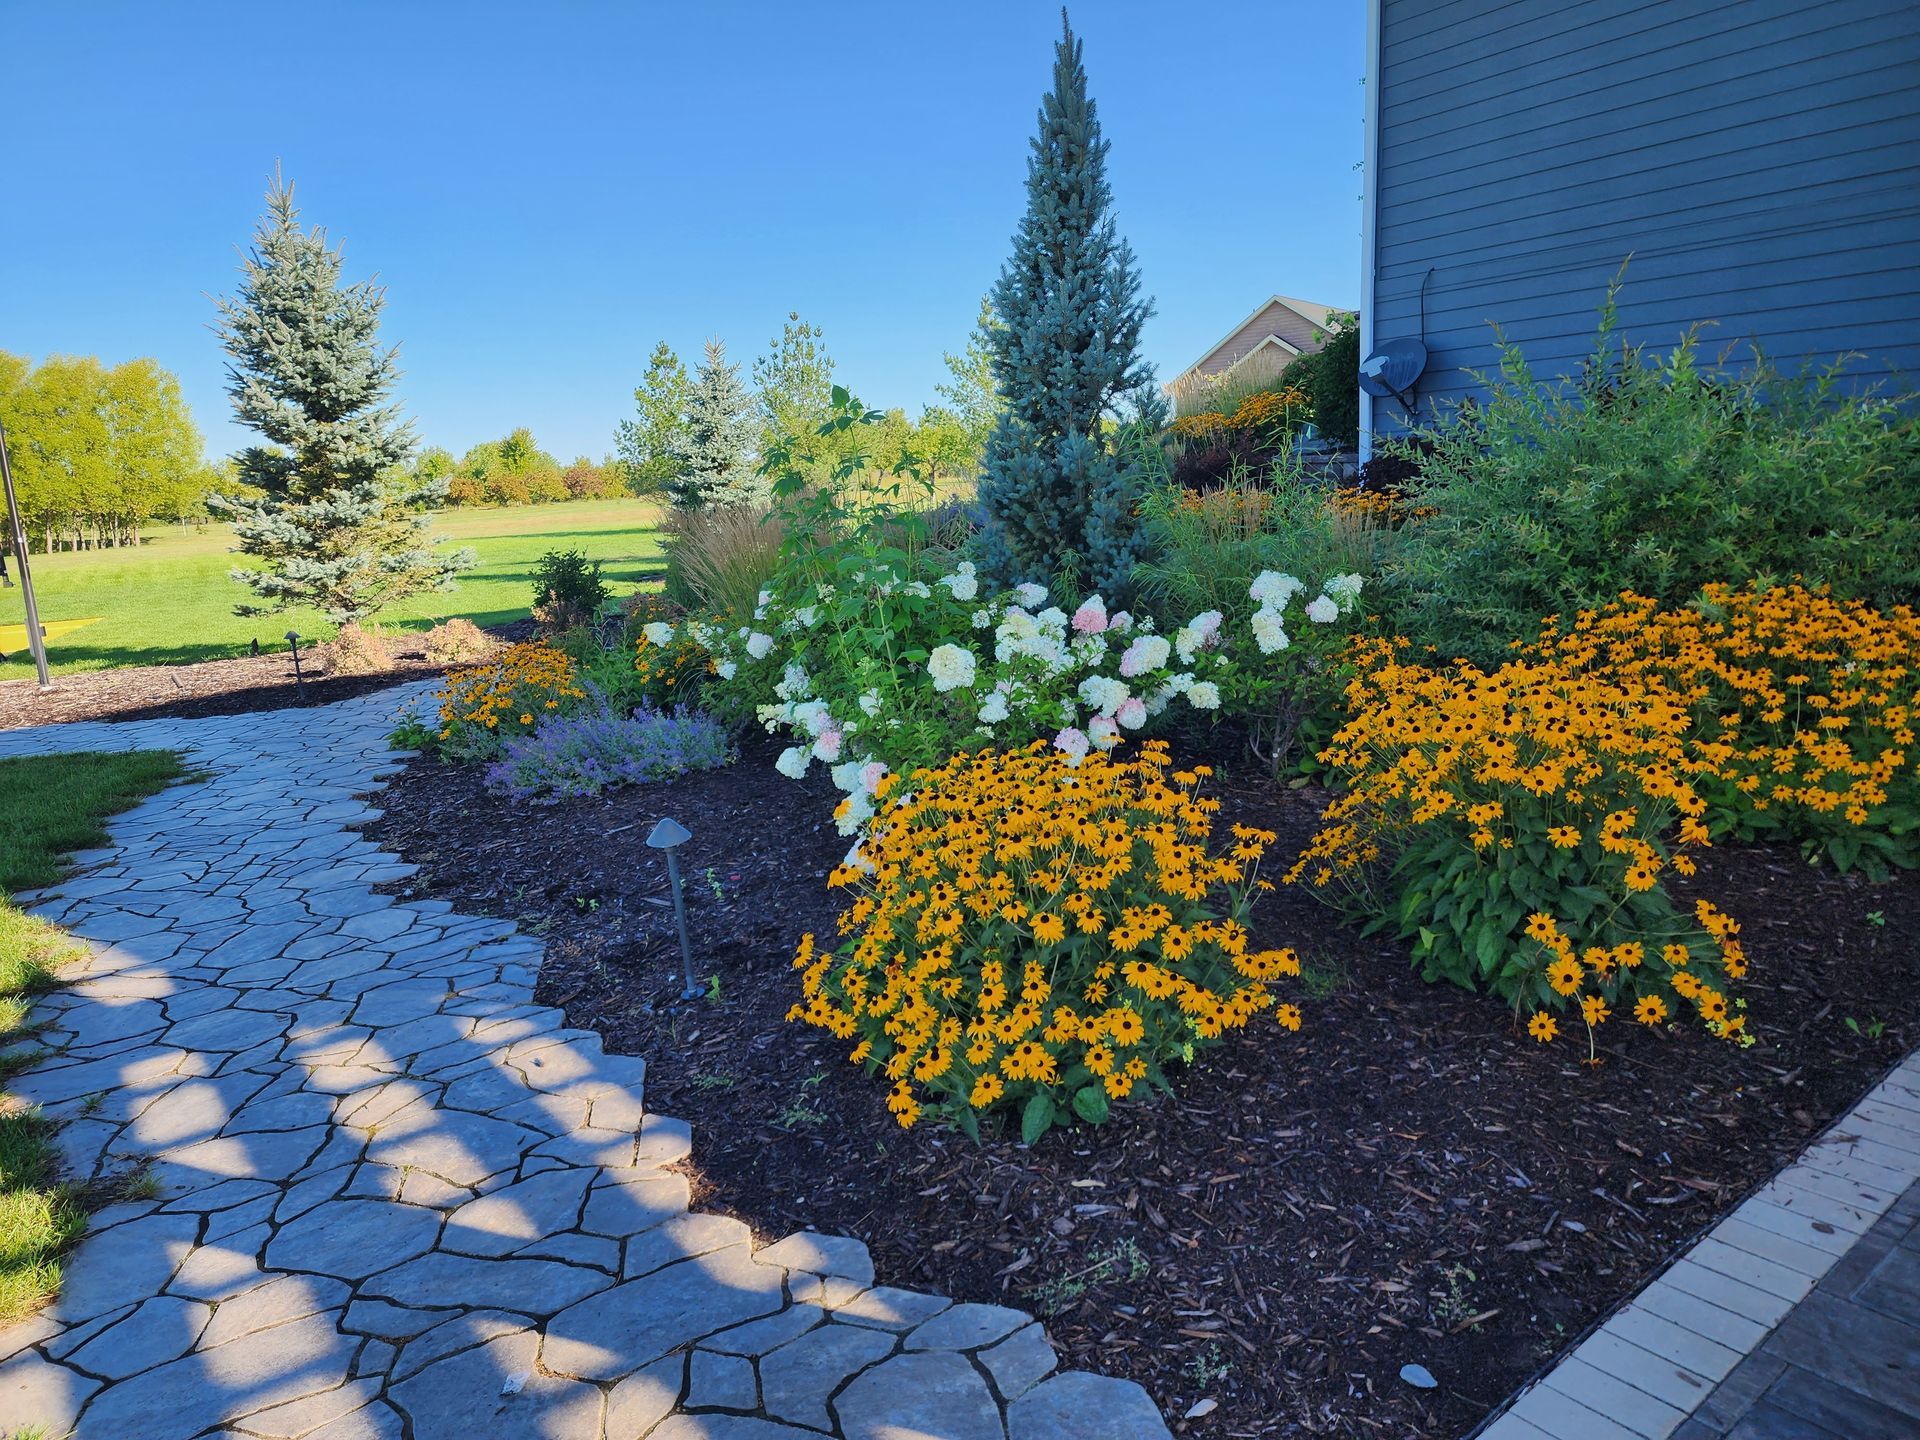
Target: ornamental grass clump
1515	825
482	706
1034	934
573	755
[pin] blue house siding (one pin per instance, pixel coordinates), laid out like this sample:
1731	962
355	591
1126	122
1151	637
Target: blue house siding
1759	160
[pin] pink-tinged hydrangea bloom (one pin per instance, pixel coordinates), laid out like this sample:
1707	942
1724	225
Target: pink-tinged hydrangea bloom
827	747
1091	617
1148	652
1072	741
1102	732
1132	715
871	774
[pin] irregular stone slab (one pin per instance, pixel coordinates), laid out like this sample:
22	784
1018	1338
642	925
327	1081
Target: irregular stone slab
891	1309
679	1238
278	1155
495	1390
301	1417
283	1298
457	1146
504	1220
161	1329
465	1331
537	1287
184	1397
924	1392
222	1269
614	1333
390	1322
643	1399
1079	1406
378	1421
352	1239
127	1264
821	1255
38	1392
723	1382
622	1210
1020	1362
732	1427
796	1379
967	1327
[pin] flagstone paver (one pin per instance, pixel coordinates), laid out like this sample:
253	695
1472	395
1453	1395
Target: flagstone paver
392	1198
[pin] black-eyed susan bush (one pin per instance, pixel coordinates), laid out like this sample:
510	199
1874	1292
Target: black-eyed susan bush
1040	935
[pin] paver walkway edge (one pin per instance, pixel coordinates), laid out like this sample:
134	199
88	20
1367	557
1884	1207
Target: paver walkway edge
1658	1359
393	1198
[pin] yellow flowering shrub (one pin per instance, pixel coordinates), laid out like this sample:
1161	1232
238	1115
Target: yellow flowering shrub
1264	408
1804	706
481	705
1030	933
1203	424
1514	826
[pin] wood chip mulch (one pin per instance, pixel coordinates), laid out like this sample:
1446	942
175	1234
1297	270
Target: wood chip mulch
1408	1180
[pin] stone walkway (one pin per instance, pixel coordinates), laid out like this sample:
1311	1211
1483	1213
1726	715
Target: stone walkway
1795	1318
392	1198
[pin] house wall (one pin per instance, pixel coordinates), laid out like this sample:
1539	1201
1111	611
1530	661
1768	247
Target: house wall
1758	159
1273	320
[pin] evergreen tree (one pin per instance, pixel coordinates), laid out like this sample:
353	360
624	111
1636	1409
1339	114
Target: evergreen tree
652	447
720	432
1058	499
331	521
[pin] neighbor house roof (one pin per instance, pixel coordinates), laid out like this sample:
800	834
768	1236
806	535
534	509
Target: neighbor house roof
1279	319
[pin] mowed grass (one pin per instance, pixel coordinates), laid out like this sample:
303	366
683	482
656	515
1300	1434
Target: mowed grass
49	805
171	601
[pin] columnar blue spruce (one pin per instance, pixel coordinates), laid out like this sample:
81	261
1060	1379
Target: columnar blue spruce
1057	497
332	522
717	467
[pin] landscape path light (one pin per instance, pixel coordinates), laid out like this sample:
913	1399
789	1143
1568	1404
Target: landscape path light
299	681
668	836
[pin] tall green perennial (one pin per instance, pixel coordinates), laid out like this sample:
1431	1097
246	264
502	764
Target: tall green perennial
327	513
1058	497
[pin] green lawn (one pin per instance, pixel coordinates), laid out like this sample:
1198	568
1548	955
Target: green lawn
49	805
170	601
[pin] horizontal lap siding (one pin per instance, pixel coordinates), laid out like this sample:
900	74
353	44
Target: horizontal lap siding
1759	160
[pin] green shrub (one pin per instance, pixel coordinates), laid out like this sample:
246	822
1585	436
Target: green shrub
1656	474
1330	378
567	590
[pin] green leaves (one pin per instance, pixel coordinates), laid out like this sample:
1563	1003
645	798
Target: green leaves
1090	1104
1038	1117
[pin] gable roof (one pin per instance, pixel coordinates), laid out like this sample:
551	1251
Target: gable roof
1315	315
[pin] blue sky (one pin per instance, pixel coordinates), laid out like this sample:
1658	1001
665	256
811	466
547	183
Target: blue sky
547	189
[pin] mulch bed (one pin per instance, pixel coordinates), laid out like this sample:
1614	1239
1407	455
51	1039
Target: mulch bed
1408	1180
210	687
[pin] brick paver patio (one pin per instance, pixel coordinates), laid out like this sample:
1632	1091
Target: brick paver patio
394	1198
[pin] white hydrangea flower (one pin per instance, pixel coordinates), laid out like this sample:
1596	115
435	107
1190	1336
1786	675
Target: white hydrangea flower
1072	743
725	669
1102	694
1203	695
854	812
1102	732
1147	653
1030	594
1132	713
1196	634
1345	590
982	619
1268	633
1274	588
994	710
1121	621
759	646
951	667
963	582
846	776
808	616
793	762
1322	610
916	588
658	632
827	747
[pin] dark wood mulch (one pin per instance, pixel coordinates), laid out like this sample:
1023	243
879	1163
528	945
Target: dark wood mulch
1410	1179
210	687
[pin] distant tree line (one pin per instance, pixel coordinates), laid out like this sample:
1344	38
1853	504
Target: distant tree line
99	451
514	470
697	437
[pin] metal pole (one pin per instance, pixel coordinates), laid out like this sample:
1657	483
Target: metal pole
34	637
690	990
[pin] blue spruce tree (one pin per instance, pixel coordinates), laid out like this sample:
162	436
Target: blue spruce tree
717	468
332	522
1058	499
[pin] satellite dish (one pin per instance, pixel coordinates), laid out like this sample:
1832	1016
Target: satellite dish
1393	369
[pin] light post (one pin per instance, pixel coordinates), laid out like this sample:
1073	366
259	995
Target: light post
668	836
34	637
